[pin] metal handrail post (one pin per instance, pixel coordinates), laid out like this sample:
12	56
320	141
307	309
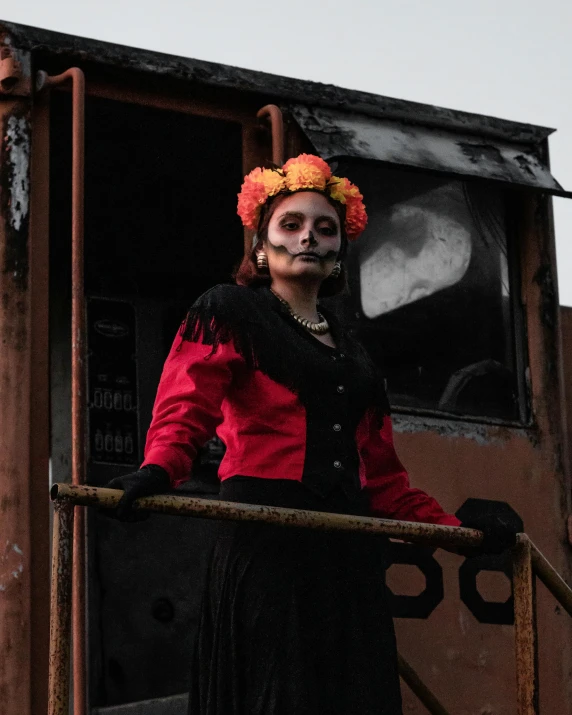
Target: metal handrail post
526	637
551	579
78	368
60	610
416	532
527	562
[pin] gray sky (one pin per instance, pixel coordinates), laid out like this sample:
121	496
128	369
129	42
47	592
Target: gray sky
506	58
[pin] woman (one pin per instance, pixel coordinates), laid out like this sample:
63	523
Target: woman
293	621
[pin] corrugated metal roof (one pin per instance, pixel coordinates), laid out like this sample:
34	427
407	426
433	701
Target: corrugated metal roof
339	134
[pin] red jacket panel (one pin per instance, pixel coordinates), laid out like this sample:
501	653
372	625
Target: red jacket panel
263	425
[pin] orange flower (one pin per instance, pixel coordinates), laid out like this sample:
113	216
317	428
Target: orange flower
258	186
311	160
342	190
307	172
356	218
304	172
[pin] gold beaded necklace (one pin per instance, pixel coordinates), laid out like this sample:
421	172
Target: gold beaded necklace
316	328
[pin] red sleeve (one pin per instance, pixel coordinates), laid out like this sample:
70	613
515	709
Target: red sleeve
387	481
187	407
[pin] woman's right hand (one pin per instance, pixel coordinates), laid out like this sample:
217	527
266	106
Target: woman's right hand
150	479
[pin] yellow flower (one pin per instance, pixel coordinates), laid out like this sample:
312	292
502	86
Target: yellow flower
273	181
306	172
340	189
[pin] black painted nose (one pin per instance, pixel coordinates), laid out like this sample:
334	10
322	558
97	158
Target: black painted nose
310	239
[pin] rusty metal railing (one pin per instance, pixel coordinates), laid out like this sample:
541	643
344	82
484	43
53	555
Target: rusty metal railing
76	78
527	560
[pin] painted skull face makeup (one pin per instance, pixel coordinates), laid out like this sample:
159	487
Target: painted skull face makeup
304	236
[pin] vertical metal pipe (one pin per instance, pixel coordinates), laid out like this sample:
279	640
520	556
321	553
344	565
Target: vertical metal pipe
78	377
526	639
60	610
78	388
277	129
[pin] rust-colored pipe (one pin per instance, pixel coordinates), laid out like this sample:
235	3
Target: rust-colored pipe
78	371
419	533
274	113
60	610
525	630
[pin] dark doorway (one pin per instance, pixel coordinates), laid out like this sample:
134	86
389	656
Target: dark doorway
160	229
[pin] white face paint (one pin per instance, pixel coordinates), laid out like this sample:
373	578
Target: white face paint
304	237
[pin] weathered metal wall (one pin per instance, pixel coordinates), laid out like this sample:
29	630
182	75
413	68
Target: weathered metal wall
471	665
566	328
24	510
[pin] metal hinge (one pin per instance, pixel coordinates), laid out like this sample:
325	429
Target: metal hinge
10	71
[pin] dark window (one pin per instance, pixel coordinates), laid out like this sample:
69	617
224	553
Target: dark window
431	296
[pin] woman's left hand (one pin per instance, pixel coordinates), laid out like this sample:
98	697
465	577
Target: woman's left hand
498	534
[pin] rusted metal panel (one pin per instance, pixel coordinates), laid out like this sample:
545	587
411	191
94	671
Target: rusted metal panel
566	333
507	465
15	543
338	134
59	677
105	54
39	416
15	68
525	630
525	466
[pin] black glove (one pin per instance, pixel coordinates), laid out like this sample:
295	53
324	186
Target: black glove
150	479
498	534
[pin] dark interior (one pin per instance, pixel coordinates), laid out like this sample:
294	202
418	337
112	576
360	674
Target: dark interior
453	351
160	229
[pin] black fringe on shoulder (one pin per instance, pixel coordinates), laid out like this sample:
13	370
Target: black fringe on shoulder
268	339
215	325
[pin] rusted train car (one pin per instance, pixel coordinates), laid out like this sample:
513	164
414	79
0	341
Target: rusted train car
453	289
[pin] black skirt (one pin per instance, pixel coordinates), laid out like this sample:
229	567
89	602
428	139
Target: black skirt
294	621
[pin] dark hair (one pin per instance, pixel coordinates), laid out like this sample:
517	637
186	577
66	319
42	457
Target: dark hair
248	274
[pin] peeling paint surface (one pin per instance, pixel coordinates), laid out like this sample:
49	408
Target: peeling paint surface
482	434
15	196
11	565
18	148
339	134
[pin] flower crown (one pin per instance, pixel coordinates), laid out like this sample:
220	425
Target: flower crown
303	173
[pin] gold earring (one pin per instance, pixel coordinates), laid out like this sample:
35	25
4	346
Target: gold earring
336	270
261	260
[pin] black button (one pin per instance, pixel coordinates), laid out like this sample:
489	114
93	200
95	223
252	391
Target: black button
337	427
340	389
337	464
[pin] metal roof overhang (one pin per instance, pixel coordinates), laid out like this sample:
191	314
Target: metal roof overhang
338	135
